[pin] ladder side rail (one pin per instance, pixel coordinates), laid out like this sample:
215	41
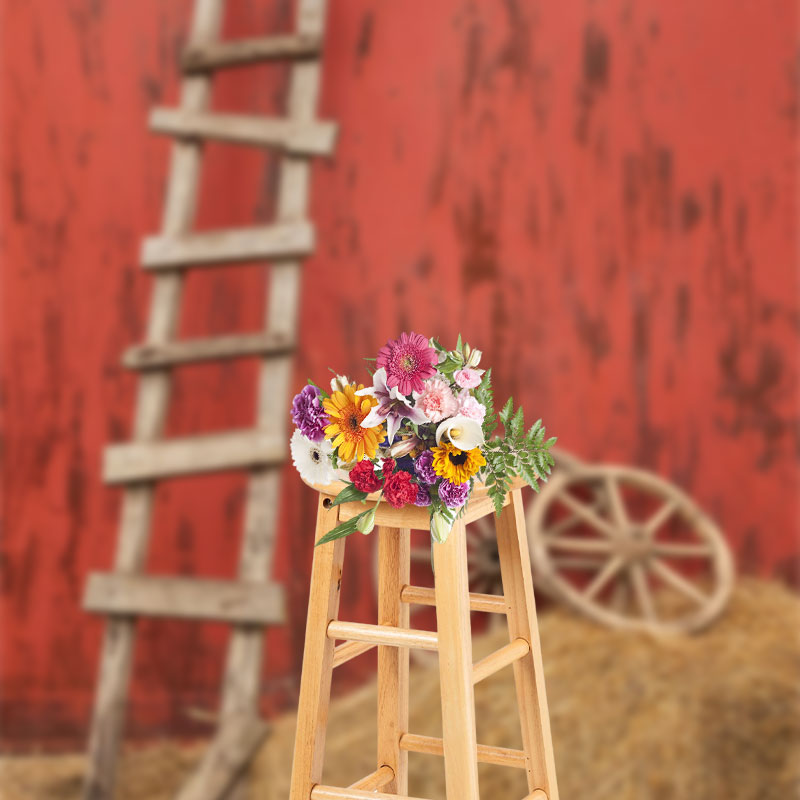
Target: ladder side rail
241	680
153	392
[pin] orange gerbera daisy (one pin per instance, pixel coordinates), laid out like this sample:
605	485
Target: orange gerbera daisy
347	412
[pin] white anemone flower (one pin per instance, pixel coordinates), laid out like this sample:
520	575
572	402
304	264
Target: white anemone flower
463	432
312	459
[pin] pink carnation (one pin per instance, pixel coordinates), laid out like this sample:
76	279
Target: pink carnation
469	407
437	400
468	378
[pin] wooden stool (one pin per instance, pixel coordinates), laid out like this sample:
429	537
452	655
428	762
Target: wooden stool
453	641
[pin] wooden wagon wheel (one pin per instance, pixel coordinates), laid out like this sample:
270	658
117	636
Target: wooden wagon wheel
629	550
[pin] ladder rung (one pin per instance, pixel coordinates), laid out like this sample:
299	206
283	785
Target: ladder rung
512	652
297	138
184	598
383	634
375	780
536	794
423	596
320	792
343	653
281	240
153	356
248	51
146	461
487	754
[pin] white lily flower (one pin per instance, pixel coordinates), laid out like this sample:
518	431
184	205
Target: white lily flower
463	432
392	407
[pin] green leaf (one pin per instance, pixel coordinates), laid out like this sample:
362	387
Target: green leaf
345	529
348	495
518	423
507	411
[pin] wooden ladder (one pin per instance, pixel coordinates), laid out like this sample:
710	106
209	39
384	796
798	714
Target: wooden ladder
452	640
251	601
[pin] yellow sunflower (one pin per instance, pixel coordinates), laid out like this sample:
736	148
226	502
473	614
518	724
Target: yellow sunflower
346	412
457	466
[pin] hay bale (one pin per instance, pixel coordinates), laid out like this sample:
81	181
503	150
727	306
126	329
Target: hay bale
634	718
715	715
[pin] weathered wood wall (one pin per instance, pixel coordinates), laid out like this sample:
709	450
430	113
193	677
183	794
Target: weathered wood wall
601	195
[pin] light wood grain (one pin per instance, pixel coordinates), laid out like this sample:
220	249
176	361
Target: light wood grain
192	455
347	651
250	603
515	569
315	681
375	781
487	754
299	139
240	52
423	596
191	351
513	651
537	794
321	792
117	650
276	241
382	635
455	665
394	565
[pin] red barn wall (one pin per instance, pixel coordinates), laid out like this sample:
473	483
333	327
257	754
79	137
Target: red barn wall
600	195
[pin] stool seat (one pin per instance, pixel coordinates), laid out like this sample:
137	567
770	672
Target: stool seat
393	637
413	517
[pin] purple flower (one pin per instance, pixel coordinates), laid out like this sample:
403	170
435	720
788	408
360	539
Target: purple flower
308	414
423	466
423	498
454	495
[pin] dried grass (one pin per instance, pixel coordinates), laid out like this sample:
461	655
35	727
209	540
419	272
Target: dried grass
634	718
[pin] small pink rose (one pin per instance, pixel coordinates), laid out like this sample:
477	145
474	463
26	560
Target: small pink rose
468	378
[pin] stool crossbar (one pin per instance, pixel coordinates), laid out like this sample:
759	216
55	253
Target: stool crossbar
452	641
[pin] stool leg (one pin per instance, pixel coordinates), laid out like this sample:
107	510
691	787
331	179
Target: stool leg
455	666
393	575
315	683
515	567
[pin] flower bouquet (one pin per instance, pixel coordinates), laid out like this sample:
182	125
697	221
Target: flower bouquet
421	434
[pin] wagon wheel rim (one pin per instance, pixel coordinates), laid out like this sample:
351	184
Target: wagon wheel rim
625	559
483	570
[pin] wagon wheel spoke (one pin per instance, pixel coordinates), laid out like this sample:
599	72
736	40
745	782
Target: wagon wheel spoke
642	591
660	517
568	522
611	568
571	562
620	596
681	550
616	502
577	544
677	581
587	514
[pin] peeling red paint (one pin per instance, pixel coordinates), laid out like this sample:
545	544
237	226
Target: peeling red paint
602	196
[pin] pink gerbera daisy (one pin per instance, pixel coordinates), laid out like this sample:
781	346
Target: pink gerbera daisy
408	360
